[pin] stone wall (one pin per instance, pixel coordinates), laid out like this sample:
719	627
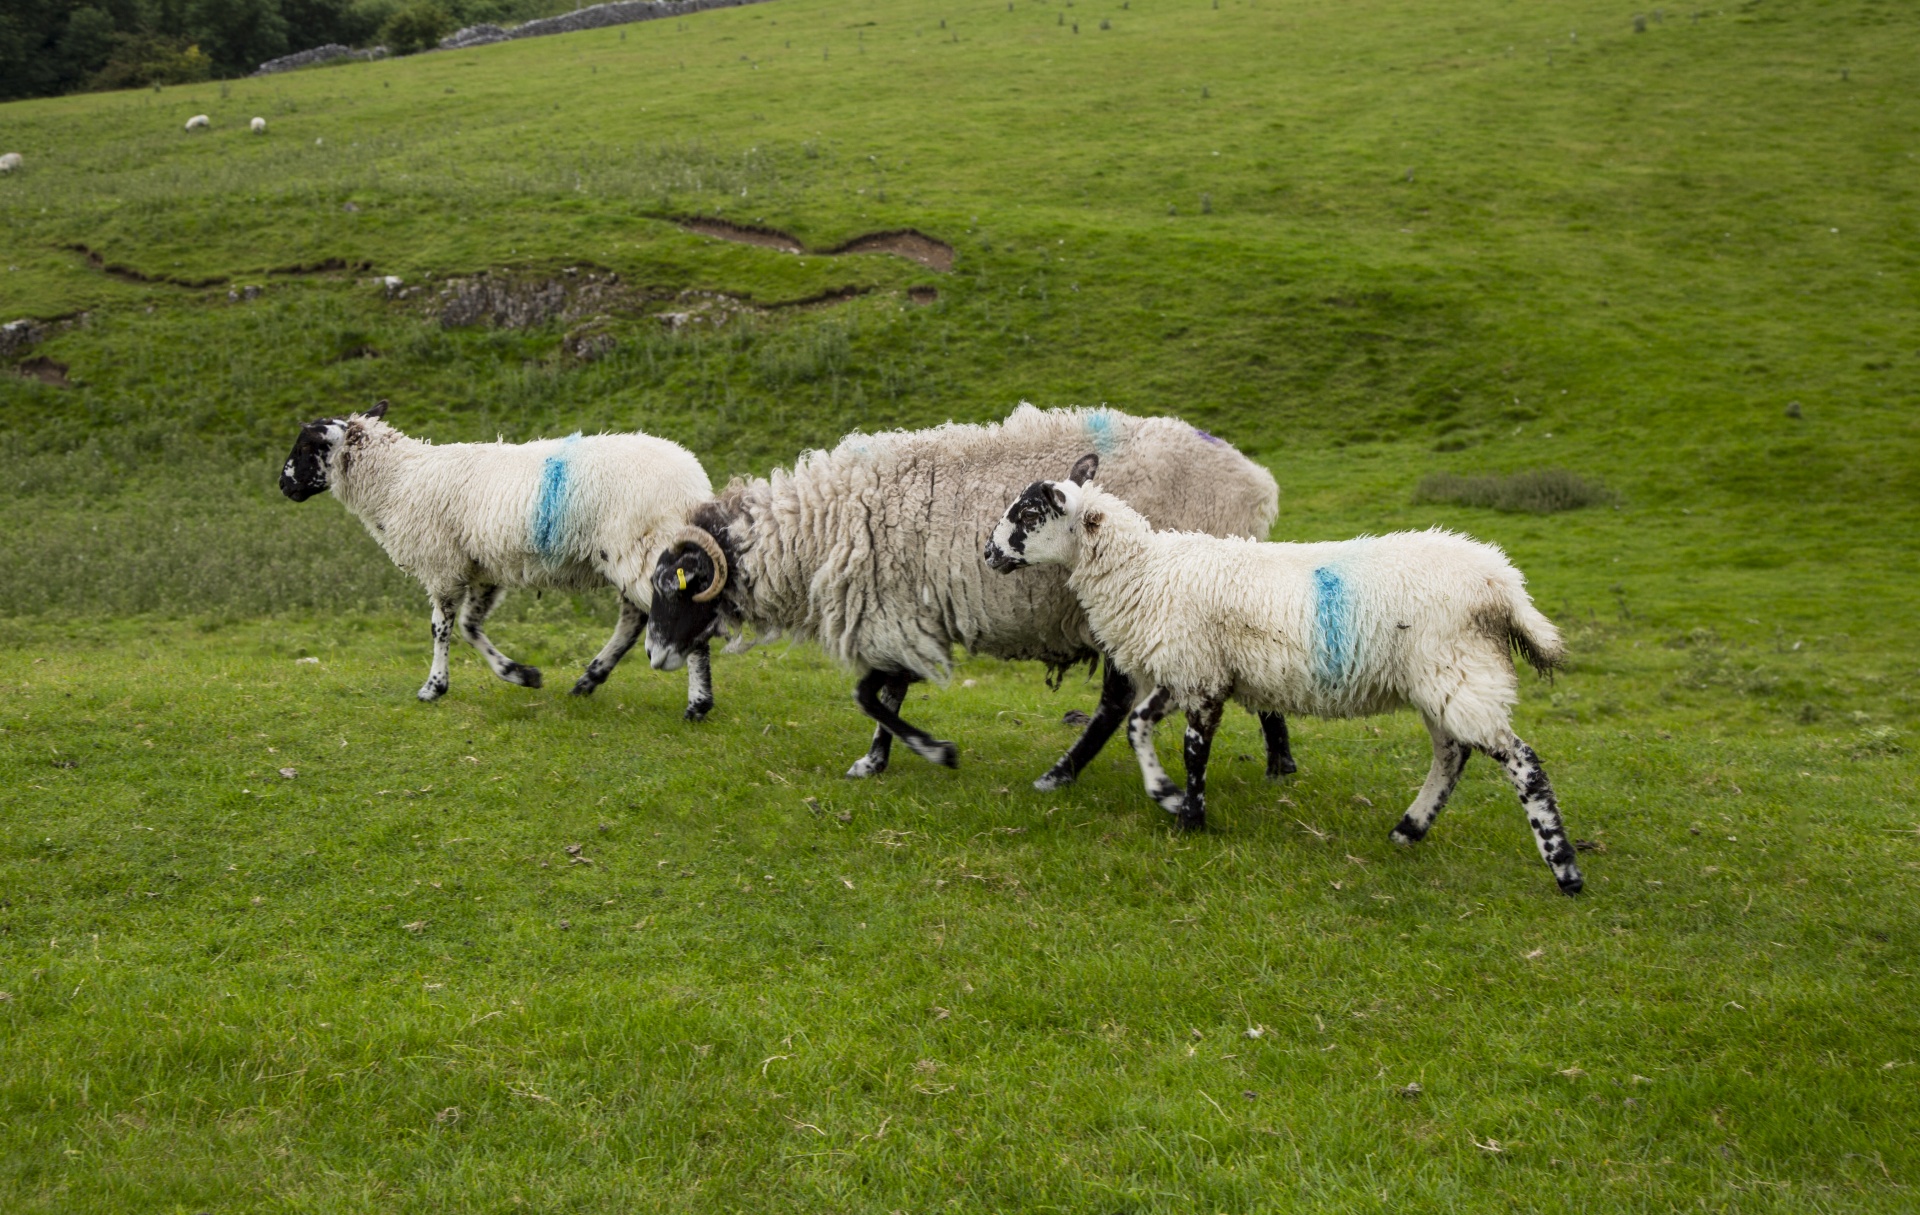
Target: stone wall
598	16
318	55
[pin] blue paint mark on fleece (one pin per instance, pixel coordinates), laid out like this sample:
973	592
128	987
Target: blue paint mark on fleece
1333	614
1100	430
550	509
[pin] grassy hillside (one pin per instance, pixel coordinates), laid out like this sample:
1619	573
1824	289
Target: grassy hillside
1366	242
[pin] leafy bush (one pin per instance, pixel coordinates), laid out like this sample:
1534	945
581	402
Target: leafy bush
139	60
1540	491
416	28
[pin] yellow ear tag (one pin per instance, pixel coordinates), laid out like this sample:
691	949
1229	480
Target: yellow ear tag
683	578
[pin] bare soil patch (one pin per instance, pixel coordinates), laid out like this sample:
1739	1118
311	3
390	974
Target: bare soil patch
914	245
127	273
44	369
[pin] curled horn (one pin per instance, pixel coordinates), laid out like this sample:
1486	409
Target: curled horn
701	539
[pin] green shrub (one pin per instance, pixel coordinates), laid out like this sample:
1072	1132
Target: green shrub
139	60
1540	491
417	27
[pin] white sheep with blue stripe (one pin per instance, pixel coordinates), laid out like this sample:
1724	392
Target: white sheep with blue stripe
1344	629
471	519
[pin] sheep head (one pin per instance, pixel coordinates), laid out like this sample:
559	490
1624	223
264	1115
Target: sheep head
687	582
1042	526
309	467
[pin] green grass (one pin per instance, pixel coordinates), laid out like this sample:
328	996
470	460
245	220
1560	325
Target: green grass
1368	243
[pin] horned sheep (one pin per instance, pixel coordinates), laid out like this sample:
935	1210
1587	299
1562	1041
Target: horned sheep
469	519
1344	629
872	550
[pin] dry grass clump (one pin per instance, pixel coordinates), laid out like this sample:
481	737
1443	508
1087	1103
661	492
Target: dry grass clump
1540	491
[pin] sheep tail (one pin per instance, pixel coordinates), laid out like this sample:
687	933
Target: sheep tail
1533	635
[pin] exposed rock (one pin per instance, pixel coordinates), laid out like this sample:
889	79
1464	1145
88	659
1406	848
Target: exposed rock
598	16
18	335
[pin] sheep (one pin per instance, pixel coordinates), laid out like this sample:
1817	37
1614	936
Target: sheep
259	126
468	519
1344	629
199	122
10	162
871	550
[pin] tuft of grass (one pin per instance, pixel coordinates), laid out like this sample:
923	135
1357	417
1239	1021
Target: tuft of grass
1540	491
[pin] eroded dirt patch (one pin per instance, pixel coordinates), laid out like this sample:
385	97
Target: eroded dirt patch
128	274
588	297
914	245
44	369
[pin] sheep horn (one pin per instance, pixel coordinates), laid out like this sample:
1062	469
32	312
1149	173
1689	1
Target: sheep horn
701	539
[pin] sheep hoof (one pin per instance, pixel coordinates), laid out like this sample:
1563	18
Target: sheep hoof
1196	821
1284	766
934	750
865	767
522	674
1406	833
432	690
698	710
1056	778
584	686
1572	884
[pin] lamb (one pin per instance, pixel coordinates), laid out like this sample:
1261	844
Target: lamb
10	162
199	122
468	519
1343	629
259	126
871	550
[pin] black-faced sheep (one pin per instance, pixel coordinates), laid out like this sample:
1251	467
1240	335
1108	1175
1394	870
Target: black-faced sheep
469	519
1344	629
872	550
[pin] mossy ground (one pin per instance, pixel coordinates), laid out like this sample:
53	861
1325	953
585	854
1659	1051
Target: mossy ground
1365	243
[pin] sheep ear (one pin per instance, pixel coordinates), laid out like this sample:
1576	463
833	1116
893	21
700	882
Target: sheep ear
1084	468
379	410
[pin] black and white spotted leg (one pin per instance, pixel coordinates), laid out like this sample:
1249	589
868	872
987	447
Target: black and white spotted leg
1529	780
443	612
479	604
921	743
1140	725
1449	759
632	623
1273	726
1202	720
1116	697
892	694
699	681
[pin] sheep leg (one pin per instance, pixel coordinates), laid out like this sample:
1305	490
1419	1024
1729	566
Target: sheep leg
443	610
1116	697
699	681
921	743
1529	780
479	604
632	622
1279	748
1449	759
1202	720
892	692
1140	725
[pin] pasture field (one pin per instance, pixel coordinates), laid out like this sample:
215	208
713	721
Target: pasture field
519	951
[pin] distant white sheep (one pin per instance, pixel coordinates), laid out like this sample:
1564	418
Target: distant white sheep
10	162
199	122
1345	629
259	126
468	519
